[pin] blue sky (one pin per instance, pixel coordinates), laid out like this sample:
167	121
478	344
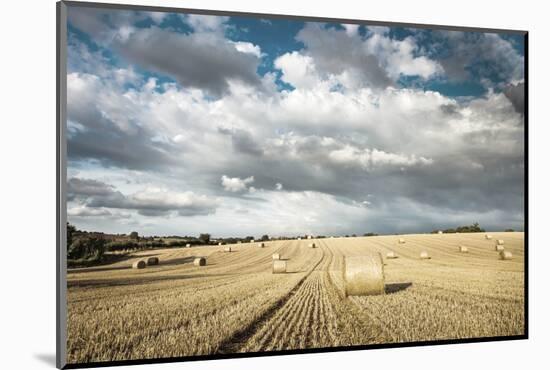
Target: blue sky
179	121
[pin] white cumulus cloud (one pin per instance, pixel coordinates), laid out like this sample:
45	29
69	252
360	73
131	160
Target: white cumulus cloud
235	184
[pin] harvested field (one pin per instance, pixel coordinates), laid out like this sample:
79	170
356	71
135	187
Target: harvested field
236	304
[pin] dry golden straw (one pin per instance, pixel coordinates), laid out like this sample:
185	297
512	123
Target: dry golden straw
139	264
500	242
279	267
401	241
488	237
424	255
152	261
499	248
478	295
276	256
462	249
505	255
391	255
200	261
364	275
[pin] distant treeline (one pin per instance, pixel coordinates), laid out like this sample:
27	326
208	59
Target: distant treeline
86	248
91	248
473	228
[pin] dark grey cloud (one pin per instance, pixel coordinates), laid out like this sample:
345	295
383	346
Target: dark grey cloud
450	109
243	141
201	60
103	24
516	95
89	20
95	194
484	175
484	57
335	52
109	129
114	148
88	187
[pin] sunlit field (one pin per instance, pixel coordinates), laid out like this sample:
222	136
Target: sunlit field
236	304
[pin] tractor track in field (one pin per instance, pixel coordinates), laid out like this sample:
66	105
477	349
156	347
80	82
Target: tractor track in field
301	321
315	315
235	342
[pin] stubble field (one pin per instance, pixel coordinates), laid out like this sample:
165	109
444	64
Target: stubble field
235	303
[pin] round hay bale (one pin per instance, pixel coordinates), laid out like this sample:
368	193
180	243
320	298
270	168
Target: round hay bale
188	245
488	237
199	261
391	255
500	242
424	255
239	242
401	241
276	256
279	267
252	240
139	264
505	255
220	243
261	245
499	248
364	275
462	249
152	261
312	245
299	238
309	236
440	232
227	249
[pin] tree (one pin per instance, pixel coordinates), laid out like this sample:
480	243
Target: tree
134	235
90	248
204	238
265	237
474	228
71	230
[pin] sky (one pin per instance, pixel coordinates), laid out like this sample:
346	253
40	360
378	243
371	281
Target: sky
180	124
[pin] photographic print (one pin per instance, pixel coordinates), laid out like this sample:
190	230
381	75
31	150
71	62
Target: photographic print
245	184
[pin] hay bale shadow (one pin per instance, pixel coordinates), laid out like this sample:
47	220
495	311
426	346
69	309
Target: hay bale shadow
177	261
391	288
